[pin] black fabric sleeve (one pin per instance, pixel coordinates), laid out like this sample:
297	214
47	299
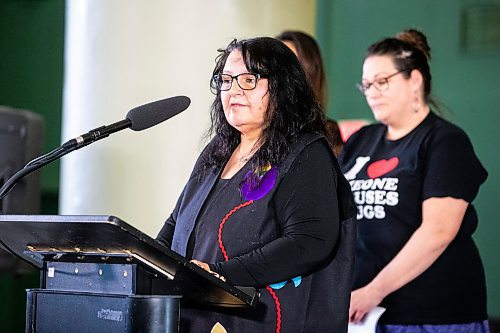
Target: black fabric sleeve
306	206
451	168
167	232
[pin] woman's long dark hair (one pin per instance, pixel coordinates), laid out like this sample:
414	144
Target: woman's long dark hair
292	106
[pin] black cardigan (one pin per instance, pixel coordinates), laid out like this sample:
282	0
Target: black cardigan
303	229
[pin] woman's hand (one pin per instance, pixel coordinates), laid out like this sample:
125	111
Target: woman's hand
205	266
202	265
363	300
441	220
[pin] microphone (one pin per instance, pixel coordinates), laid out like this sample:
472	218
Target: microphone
151	114
138	119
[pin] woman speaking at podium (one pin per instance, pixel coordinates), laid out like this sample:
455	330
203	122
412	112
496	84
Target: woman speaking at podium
266	204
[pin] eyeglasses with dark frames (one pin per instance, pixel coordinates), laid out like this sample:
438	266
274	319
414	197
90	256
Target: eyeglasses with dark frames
381	84
246	81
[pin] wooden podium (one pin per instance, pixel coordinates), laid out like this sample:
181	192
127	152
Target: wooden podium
99	274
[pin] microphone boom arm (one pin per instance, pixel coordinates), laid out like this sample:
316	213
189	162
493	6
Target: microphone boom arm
137	119
69	146
97	134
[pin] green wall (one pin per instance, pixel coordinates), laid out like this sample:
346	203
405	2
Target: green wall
31	77
31	72
468	83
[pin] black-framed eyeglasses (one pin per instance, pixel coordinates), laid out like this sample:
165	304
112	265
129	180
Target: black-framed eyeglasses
381	84
246	81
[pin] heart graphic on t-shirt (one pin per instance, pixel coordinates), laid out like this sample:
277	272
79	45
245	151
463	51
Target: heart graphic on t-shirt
381	167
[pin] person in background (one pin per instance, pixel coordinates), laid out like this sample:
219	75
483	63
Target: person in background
307	51
266	205
413	176
333	135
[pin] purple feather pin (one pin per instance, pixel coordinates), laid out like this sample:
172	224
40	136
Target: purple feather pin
257	185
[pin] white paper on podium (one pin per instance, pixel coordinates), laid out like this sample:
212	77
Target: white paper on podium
369	323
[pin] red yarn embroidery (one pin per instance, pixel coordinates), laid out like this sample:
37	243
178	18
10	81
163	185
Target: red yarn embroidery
278	308
226	257
235	209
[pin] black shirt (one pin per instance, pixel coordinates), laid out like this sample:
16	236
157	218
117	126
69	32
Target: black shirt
300	233
389	181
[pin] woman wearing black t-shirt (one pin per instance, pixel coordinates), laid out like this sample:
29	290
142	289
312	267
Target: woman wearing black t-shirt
413	177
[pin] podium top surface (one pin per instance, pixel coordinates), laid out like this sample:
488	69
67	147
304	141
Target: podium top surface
103	235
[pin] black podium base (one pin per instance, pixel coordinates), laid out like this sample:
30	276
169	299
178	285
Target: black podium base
79	312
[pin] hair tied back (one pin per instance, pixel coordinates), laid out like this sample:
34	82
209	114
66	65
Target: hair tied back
404	54
416	39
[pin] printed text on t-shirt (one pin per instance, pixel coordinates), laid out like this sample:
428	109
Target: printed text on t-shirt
372	195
